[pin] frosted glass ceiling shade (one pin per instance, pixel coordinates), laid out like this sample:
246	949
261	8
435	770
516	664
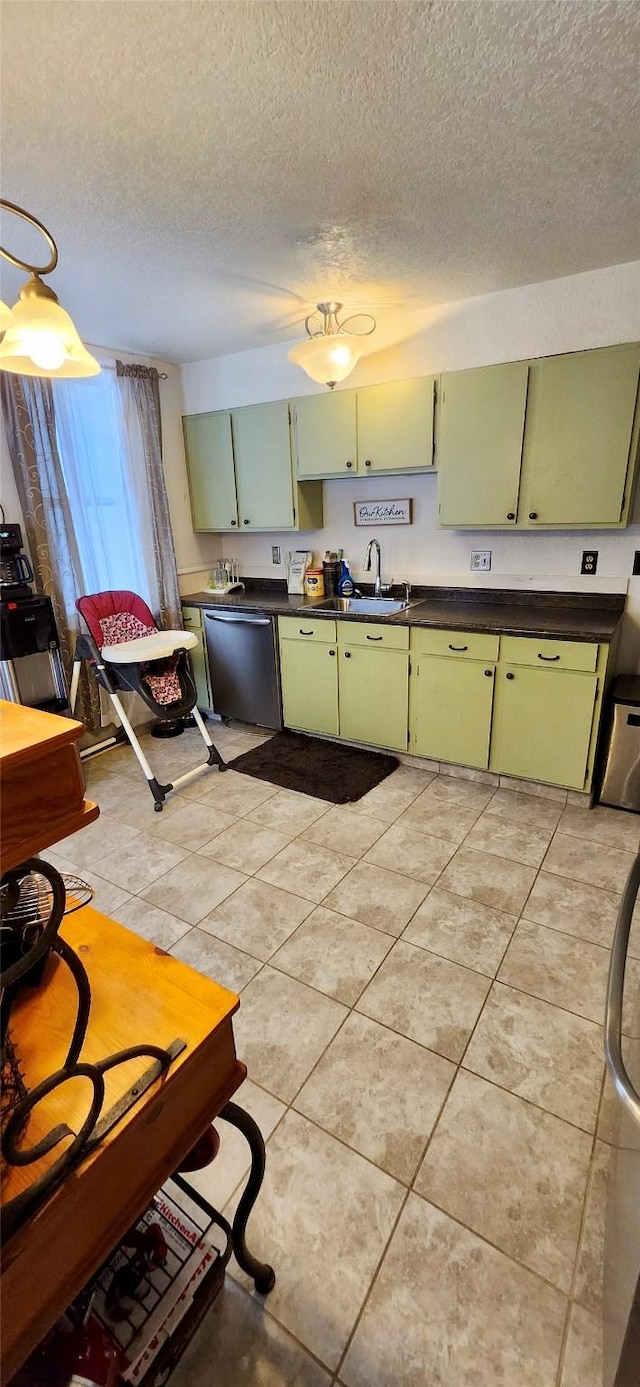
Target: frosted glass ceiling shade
332	347
41	340
38	337
327	359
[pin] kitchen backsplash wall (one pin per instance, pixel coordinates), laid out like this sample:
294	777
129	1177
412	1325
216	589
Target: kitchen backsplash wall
599	308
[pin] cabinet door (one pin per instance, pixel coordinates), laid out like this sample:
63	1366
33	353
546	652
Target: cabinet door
395	426
192	621
325	430
309	678
451	703
542	724
479	445
264	481
577	438
374	696
212	484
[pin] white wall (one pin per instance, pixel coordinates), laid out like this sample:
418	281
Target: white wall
596	309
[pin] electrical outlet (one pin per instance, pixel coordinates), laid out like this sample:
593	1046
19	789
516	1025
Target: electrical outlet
480	559
589	561
636	563
276	553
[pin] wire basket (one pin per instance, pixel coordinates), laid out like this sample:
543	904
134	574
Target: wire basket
30	905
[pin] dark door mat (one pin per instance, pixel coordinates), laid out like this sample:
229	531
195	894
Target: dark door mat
327	770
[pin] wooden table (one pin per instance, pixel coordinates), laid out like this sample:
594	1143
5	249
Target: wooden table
139	994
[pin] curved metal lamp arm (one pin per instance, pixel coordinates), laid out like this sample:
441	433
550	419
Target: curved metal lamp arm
329	325
33	221
615	992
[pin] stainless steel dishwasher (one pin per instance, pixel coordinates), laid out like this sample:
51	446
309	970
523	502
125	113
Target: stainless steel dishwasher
243	666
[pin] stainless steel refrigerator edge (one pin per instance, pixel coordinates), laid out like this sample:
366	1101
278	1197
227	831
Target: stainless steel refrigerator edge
621	1271
243	665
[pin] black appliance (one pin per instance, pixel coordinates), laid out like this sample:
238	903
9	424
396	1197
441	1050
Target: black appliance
31	669
16	572
243	662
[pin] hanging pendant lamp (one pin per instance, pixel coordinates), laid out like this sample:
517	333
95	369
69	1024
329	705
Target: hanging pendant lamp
332	349
39	338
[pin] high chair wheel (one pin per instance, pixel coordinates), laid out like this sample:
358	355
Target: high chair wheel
157	807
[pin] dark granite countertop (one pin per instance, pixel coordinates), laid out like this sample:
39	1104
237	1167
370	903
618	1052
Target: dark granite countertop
565	615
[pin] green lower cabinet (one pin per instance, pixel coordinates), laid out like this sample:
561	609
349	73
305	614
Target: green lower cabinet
542	724
451	702
192	621
309	677
374	696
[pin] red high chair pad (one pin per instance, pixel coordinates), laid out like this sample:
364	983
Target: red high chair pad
98	605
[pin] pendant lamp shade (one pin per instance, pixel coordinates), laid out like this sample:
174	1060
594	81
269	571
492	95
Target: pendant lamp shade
326	359
332	347
38	337
41	340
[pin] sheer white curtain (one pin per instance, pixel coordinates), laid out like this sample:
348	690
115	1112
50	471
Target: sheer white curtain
106	487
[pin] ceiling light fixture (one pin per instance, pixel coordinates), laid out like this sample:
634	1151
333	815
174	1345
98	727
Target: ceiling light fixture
331	352
39	338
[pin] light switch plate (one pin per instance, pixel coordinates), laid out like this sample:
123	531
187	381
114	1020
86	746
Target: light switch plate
276	553
480	559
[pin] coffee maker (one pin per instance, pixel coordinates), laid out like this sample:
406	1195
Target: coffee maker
31	669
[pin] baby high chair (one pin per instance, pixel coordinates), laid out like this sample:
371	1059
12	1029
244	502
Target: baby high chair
127	652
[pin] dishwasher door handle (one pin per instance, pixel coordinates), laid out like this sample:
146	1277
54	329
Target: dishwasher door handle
615	994
239	620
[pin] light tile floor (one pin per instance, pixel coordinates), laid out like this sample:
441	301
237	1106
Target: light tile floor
422	980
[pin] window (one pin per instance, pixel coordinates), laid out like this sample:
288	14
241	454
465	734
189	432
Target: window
106	486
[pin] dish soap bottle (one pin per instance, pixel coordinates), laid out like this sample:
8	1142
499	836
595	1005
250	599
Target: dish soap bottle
345	581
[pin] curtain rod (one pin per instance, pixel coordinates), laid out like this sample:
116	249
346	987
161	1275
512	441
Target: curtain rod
162	375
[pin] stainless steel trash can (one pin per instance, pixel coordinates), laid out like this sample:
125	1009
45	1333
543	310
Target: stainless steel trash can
621	769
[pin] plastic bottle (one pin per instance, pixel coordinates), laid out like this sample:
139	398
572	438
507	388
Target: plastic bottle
345	581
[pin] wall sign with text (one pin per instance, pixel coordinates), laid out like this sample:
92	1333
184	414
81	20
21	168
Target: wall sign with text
382	512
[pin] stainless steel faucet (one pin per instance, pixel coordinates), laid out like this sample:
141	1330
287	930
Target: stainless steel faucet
377	586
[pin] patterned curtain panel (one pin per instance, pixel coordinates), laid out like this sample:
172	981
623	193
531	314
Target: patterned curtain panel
141	407
28	409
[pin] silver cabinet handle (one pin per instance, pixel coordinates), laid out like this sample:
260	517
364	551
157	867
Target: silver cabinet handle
244	620
615	992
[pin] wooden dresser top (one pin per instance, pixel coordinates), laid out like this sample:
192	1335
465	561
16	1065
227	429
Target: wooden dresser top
25	733
41	782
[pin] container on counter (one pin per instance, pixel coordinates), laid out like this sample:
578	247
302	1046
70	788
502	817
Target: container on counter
332	568
314	582
345	581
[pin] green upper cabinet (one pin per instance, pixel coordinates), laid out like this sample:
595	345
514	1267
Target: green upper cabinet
240	471
479	445
551	442
394	431
262	451
395	426
325	434
578	438
212	484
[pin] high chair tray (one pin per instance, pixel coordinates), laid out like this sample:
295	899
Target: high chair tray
155	647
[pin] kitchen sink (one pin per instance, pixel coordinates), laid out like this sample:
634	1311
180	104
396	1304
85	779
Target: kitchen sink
362	606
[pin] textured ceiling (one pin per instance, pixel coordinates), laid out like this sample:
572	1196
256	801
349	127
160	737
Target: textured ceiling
211	169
